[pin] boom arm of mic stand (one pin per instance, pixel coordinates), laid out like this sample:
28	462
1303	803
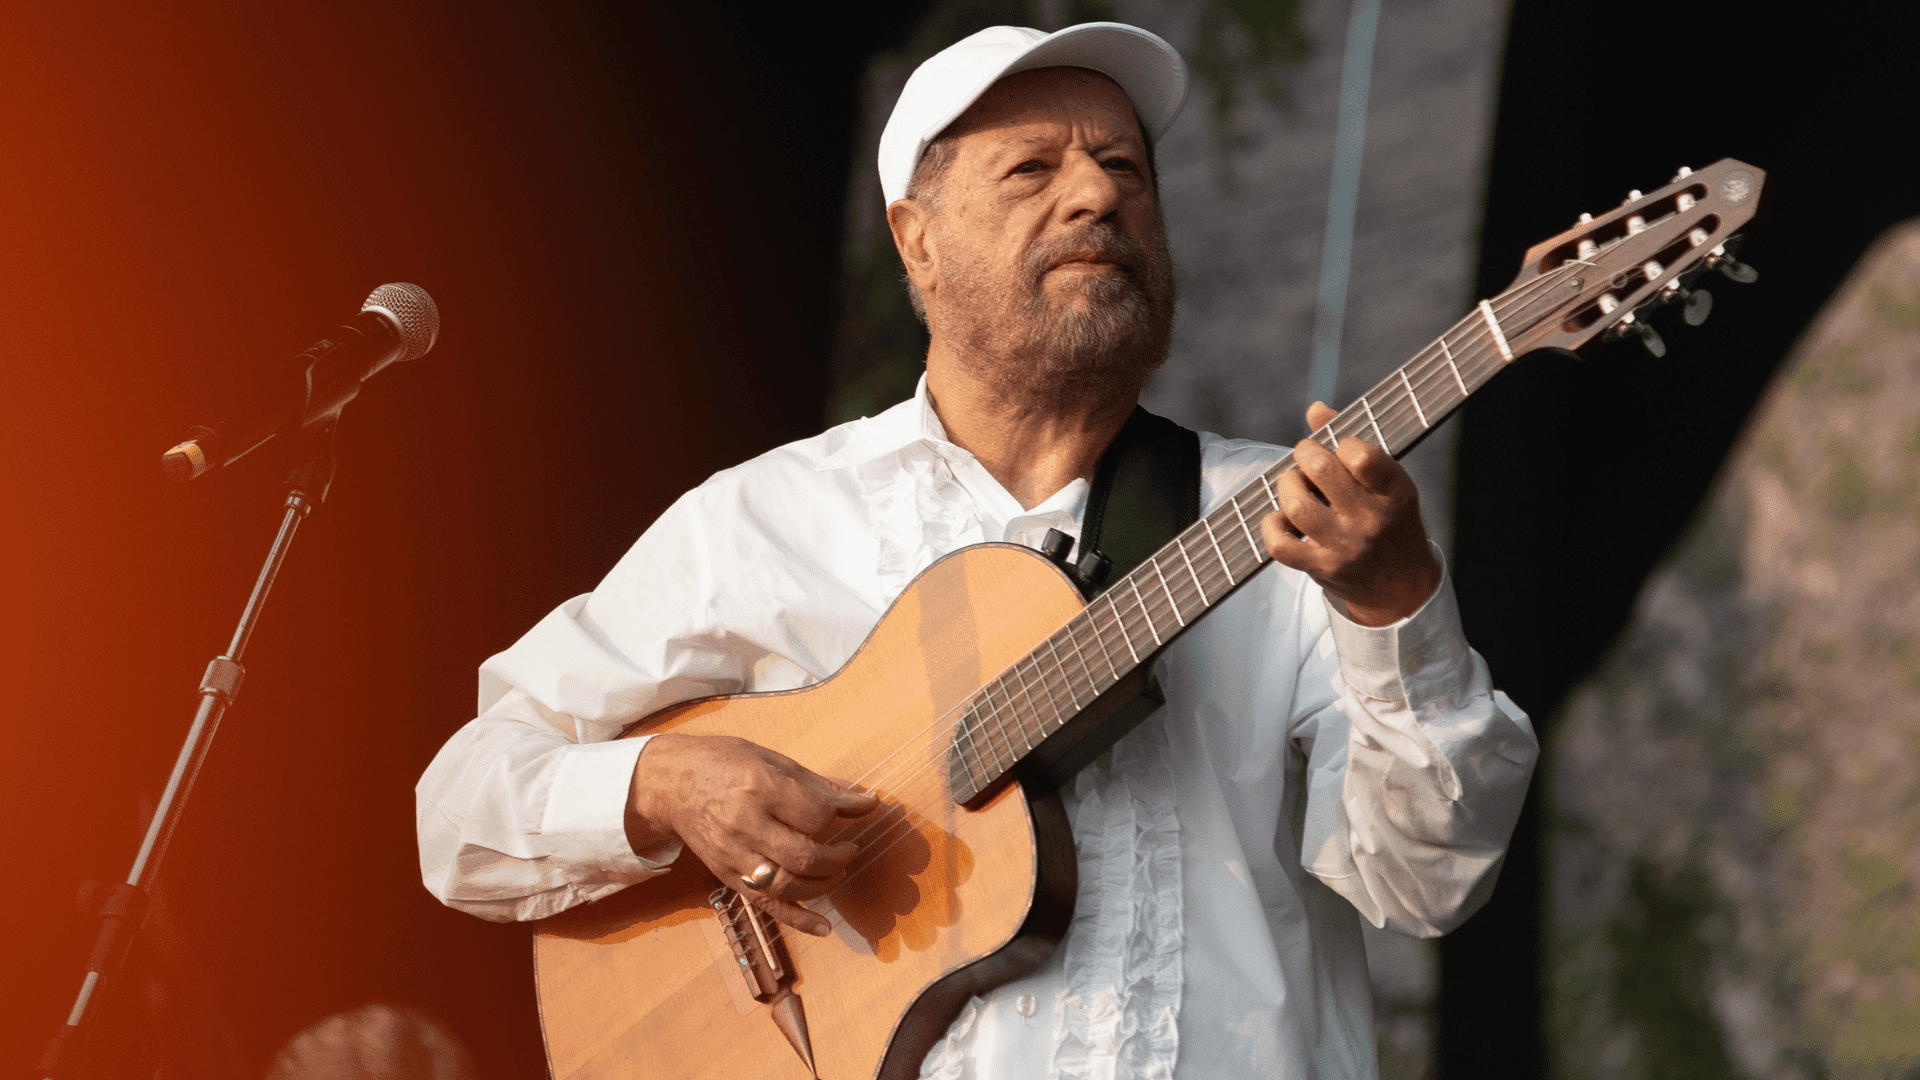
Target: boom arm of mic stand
127	902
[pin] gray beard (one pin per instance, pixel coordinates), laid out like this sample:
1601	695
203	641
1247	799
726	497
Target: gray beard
1039	349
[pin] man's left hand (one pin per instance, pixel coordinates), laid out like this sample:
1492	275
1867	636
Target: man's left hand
1350	519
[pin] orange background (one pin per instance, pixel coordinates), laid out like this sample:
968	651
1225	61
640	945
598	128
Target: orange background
629	237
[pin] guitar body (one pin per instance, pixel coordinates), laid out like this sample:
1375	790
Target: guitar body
945	901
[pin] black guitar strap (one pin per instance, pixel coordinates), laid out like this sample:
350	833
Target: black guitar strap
1146	489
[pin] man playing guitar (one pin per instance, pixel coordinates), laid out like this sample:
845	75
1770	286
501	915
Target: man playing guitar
1330	749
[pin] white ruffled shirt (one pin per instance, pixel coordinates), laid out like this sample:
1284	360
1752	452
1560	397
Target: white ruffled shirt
1306	771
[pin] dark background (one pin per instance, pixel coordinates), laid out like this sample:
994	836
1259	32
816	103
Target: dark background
1575	477
629	215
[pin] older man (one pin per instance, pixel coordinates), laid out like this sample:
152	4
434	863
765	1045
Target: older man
1330	748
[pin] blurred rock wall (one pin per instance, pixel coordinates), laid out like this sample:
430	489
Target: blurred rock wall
1735	822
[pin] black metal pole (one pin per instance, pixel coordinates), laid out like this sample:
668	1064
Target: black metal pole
126	903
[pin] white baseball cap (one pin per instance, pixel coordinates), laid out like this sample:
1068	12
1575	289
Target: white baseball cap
1146	67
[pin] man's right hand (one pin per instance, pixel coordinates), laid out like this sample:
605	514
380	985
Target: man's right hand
737	804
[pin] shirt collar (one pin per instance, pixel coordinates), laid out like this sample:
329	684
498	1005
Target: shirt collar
911	422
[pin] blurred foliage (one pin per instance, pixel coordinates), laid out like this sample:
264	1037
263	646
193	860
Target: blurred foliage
1660	974
1241	42
1848	489
880	347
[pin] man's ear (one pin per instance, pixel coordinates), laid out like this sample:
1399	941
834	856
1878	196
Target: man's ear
913	239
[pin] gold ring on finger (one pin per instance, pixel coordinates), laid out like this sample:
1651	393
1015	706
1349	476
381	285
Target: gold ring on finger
761	877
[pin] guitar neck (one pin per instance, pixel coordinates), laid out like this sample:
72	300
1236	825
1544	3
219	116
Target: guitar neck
1122	630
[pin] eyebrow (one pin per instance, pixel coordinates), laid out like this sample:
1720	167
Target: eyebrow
1041	142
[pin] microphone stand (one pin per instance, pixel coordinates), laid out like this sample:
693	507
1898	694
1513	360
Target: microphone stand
126	903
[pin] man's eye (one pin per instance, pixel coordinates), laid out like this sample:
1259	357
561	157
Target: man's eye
1028	167
1122	164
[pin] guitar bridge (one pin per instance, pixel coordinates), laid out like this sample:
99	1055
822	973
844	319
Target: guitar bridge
761	961
759	955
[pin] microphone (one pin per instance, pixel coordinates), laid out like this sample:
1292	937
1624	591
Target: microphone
398	322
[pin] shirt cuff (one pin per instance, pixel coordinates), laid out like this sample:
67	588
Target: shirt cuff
585	823
1420	658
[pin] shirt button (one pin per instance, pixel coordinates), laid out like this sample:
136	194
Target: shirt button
1026	1006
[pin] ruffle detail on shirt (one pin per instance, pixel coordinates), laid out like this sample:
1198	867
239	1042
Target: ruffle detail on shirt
948	1058
1123	966
917	510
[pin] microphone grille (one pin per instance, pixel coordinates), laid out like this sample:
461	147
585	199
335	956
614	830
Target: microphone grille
412	310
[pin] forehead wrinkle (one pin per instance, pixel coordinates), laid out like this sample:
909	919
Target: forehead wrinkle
1043	141
997	140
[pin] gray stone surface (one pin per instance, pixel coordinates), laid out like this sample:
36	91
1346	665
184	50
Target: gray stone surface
1735	822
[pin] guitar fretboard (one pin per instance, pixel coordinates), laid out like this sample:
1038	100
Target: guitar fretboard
1142	612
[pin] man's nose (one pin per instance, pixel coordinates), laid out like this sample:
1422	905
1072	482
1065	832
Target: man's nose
1090	191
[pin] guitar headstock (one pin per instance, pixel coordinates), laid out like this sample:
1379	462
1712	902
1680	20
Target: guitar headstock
1601	275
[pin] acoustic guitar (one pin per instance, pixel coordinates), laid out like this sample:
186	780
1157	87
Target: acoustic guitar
987	672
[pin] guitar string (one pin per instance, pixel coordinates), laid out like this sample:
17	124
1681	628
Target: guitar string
878	838
1473	355
891	831
974	730
896	828
1426	377
1394	404
1025	694
1432	373
1474	352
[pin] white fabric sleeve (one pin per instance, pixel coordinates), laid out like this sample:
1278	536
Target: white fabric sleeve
518	822
522	812
1415	773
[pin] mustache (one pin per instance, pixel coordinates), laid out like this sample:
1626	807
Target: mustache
1099	242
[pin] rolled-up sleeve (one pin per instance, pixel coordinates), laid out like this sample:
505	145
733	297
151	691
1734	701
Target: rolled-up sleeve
1416	772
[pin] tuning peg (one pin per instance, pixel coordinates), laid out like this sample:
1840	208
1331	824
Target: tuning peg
1722	260
1699	306
1650	338
1699	302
